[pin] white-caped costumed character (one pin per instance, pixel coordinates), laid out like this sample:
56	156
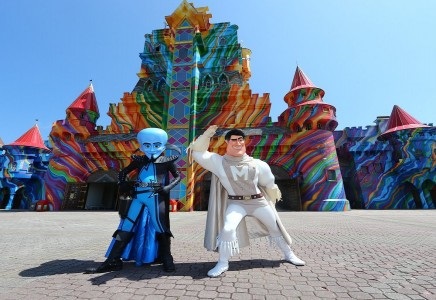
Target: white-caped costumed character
241	186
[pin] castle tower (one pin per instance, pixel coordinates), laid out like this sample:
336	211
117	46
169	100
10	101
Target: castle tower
83	111
389	165
193	74
410	151
187	24
312	122
77	155
23	166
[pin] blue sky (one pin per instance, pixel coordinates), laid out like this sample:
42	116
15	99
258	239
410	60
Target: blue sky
367	55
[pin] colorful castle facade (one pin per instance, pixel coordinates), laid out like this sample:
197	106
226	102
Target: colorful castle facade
194	74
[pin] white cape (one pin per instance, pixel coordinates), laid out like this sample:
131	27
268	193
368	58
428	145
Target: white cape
249	227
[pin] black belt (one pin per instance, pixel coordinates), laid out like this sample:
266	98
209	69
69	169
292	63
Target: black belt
145	191
249	197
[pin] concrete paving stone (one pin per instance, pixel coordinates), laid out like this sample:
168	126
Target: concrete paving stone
226	289
360	295
241	296
174	293
397	296
350	255
154	297
416	297
191	293
275	297
208	294
291	293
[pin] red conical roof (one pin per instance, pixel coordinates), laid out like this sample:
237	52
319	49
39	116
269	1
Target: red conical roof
32	138
300	80
86	100
400	120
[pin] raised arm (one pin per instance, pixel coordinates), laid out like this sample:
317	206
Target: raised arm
199	150
201	143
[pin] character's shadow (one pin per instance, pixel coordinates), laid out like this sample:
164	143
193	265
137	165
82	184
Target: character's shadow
195	270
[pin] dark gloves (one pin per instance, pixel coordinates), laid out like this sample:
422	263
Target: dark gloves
163	189
126	188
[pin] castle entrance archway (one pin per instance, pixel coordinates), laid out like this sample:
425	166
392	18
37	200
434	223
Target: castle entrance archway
102	190
290	188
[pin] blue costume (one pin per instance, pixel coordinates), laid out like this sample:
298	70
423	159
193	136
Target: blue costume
143	247
144	206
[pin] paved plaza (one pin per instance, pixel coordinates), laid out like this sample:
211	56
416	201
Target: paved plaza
350	255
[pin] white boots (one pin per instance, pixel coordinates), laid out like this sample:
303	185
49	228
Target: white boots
228	249
293	259
287	251
220	268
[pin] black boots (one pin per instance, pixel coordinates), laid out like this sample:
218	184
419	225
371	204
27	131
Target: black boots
113	261
164	240
122	238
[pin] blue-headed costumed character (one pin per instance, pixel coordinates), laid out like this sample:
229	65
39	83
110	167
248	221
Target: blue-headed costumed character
151	192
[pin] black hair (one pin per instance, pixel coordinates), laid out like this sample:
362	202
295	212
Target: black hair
231	132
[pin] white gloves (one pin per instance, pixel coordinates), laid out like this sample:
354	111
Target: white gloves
273	193
202	142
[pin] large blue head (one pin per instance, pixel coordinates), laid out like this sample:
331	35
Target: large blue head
152	141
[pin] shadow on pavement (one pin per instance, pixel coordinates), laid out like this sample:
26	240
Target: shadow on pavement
56	267
195	270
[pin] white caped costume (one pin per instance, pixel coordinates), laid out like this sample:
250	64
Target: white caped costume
240	187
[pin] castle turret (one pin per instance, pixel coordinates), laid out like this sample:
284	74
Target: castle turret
400	120
312	122
23	166
390	165
306	109
84	110
69	138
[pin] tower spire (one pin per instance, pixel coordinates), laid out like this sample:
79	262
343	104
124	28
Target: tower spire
400	120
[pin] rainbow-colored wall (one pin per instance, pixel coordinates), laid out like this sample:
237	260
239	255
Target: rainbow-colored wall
398	173
193	74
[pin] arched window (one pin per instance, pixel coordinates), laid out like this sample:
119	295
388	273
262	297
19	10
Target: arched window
223	80
161	86
207	82
148	86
